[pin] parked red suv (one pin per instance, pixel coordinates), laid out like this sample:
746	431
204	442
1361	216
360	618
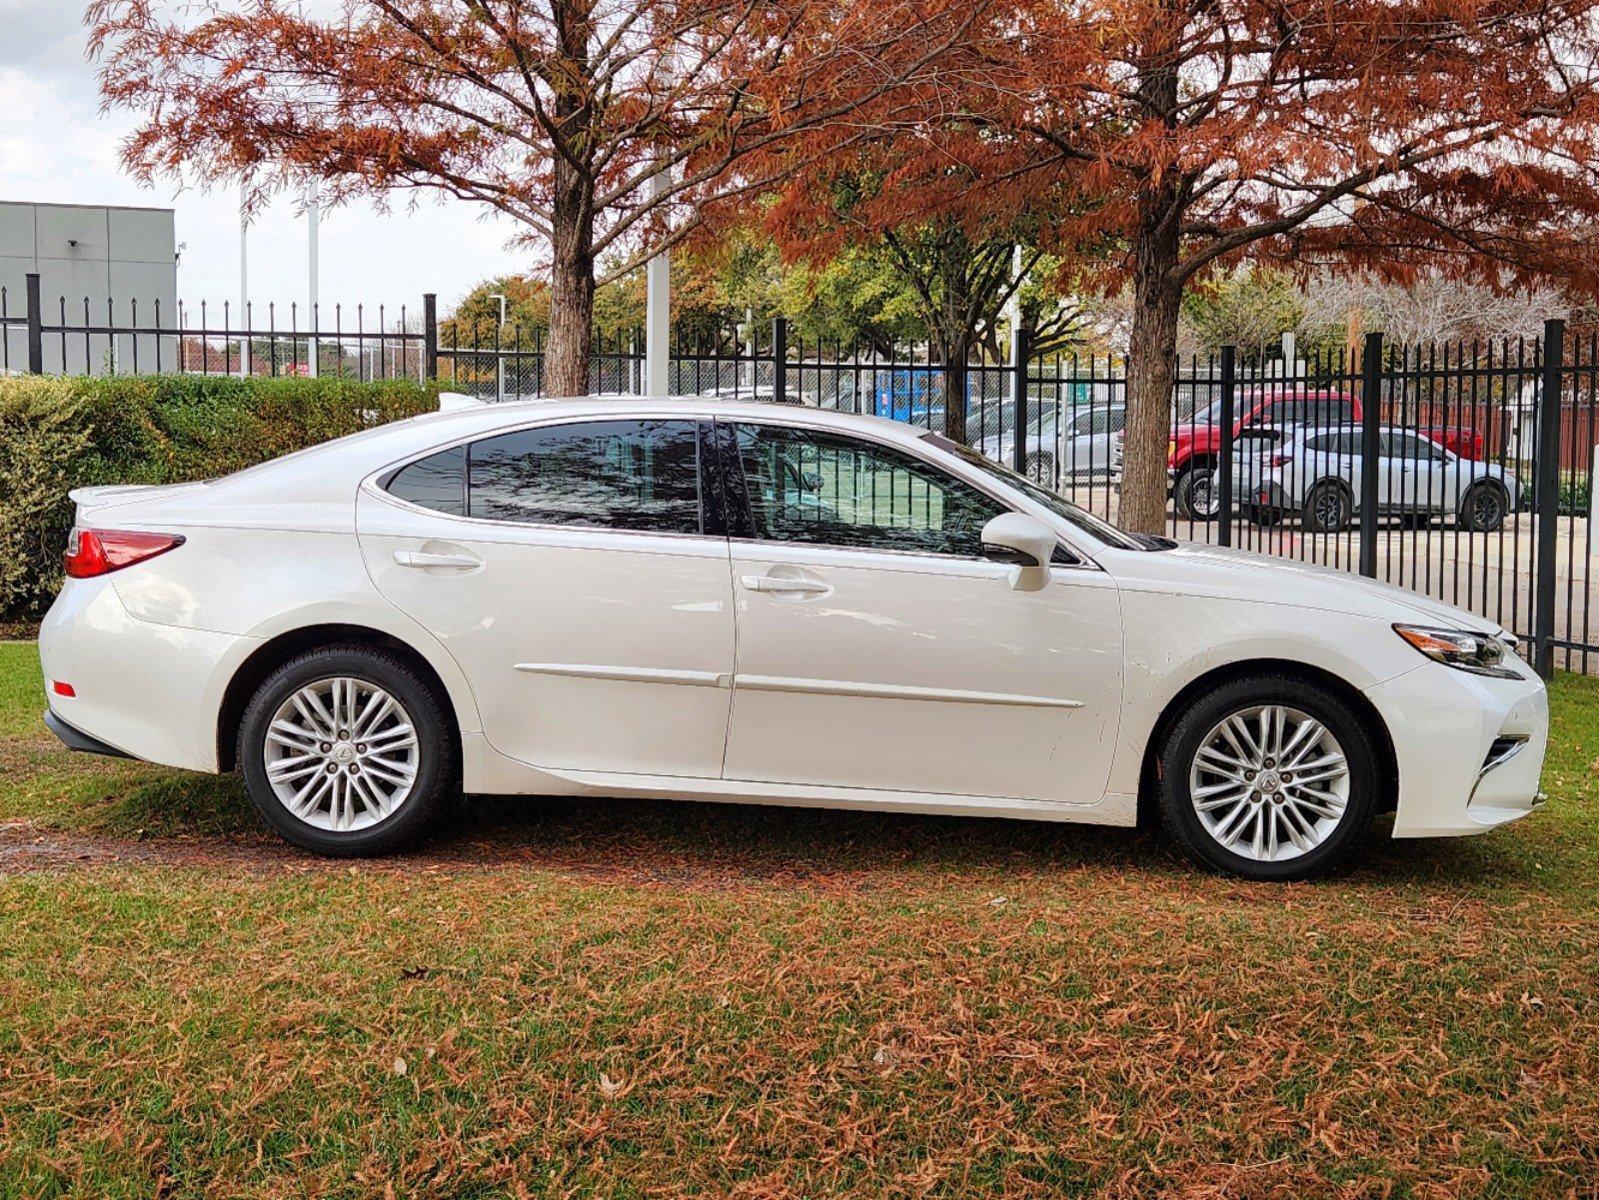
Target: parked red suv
1195	449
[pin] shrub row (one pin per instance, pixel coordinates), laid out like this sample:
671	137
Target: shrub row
61	433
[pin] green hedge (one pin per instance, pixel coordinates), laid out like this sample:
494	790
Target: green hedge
62	433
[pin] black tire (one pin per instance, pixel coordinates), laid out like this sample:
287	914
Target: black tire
1265	517
1041	468
1193	493
1328	507
1181	820
1415	520
436	765
1484	507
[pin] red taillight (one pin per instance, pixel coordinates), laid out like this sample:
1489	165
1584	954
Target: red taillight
62	689
92	552
1281	460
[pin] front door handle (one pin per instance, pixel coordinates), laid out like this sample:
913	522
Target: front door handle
777	583
426	558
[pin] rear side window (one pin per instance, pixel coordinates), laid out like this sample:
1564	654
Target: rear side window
437	482
640	475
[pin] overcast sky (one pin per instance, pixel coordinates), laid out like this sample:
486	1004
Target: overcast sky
55	147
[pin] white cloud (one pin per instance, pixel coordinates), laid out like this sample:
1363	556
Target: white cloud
55	146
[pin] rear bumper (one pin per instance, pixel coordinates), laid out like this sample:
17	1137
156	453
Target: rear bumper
141	690
75	739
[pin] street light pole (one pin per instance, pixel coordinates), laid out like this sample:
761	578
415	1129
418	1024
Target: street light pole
244	284
313	219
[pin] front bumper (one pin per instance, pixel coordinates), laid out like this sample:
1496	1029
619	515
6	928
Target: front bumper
1450	731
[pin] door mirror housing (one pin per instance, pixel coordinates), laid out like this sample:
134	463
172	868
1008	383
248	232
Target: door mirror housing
1024	542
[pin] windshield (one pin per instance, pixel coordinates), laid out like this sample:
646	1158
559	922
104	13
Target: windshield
1059	505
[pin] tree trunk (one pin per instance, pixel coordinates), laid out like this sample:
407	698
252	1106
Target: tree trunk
566	359
1151	372
955	376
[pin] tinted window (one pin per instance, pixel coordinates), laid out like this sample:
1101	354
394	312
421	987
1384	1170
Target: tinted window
437	482
1327	411
637	475
1408	445
806	486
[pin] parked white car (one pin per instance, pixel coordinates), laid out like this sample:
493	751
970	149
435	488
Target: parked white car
1064	442
743	602
1316	473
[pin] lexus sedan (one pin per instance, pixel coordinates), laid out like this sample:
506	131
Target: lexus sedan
711	600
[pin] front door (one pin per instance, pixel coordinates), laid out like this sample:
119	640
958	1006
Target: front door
568	569
878	649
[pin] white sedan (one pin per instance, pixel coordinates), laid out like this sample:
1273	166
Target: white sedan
712	600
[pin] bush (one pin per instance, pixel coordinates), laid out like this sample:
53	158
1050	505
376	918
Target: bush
61	433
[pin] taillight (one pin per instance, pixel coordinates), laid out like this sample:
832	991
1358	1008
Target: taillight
92	552
1281	460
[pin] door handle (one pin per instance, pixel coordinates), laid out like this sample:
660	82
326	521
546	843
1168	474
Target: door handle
776	583
425	558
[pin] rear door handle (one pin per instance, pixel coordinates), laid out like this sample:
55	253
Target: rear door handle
426	558
776	583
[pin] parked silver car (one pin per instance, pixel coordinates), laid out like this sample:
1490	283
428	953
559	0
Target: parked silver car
1063	442
1316	474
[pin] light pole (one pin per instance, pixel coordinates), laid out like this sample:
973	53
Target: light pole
244	284
499	352
313	219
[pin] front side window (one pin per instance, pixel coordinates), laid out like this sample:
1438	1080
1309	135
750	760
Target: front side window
825	489
639	475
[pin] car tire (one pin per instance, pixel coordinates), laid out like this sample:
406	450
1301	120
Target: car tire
1484	507
1264	517
291	745
1320	834
1041	469
1192	494
1328	507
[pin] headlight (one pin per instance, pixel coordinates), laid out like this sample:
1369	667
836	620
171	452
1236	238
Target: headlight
1479	653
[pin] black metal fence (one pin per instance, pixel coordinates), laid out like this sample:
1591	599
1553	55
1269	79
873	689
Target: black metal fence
1464	471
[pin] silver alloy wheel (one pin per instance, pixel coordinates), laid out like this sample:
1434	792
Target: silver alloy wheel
341	754
1269	783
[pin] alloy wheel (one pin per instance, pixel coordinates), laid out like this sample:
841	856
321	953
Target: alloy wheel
341	754
1269	783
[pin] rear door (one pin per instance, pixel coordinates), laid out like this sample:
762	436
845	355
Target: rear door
580	583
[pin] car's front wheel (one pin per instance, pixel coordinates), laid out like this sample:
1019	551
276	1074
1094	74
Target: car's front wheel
1268	779
1484	507
347	751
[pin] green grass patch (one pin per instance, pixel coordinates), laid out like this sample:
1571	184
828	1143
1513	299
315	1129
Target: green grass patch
595	998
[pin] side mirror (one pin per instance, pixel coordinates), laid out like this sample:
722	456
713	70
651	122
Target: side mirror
1025	543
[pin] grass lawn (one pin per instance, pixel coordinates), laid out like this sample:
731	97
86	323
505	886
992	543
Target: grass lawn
624	999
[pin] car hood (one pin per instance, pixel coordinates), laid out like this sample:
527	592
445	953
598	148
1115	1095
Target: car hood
1215	571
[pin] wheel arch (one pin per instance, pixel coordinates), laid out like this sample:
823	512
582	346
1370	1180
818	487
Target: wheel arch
1318	677
276	651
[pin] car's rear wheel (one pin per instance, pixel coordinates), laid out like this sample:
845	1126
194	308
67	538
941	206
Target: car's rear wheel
1484	506
347	751
1194	493
1328	507
1268	779
1041	468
